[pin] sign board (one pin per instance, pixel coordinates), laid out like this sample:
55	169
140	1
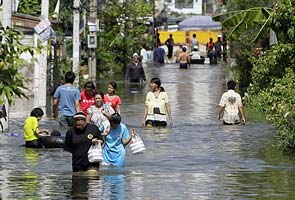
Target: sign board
93	27
44	30
42	26
46	34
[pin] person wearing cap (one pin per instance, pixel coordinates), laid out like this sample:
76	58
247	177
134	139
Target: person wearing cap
135	72
115	141
78	141
87	96
66	101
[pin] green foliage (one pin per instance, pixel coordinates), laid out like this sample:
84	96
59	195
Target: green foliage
254	115
123	31
238	22
11	81
242	49
280	19
272	65
33	7
273	91
246	27
272	88
283	22
65	15
30	7
233	5
122	27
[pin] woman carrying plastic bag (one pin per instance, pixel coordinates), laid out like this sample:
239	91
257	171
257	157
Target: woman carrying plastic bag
115	141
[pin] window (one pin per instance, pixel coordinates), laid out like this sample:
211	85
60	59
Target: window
184	4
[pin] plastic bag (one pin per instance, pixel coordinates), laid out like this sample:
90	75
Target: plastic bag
95	153
137	145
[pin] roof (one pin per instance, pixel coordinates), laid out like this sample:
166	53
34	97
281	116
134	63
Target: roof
199	22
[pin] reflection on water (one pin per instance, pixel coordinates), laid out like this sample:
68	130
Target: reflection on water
84	187
156	134
198	158
114	187
32	157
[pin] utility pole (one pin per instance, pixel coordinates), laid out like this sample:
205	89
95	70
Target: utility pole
92	33
76	40
6	13
40	68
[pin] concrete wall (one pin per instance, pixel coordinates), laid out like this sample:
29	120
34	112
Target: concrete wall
183	37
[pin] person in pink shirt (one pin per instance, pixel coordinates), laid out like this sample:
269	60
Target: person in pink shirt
111	98
87	96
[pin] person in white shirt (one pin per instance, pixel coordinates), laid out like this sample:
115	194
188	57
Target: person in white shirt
194	42
143	54
231	107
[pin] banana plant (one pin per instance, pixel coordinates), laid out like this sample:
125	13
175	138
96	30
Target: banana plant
237	22
265	18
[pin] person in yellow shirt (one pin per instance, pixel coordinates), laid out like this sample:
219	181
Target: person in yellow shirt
156	106
31	129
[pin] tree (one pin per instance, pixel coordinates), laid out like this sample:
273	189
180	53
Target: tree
123	30
11	80
30	7
239	22
277	18
273	74
244	26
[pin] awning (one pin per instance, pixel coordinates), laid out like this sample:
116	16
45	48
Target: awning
199	22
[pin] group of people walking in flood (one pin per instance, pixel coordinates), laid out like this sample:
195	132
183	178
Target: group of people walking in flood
93	117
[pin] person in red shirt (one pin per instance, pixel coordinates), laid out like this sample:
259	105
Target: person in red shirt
87	96
210	46
111	98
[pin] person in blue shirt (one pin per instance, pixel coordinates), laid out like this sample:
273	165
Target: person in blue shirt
159	55
115	141
66	101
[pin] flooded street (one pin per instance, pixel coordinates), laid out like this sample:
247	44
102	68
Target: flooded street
198	158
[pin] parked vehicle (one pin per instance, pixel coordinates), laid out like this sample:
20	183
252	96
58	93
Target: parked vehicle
196	58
